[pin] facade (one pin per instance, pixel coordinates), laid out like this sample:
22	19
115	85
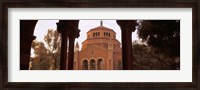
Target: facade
100	51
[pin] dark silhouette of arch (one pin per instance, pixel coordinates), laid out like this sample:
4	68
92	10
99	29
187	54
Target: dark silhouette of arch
85	65
99	64
92	64
26	37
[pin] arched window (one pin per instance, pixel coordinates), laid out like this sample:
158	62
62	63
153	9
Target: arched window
93	34
98	33
85	65
108	34
99	64
92	64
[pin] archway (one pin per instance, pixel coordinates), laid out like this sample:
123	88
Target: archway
92	64
85	65
99	64
26	37
64	27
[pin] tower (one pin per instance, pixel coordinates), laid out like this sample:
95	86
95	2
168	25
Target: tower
76	48
76	56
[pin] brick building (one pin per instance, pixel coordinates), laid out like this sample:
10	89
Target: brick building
100	51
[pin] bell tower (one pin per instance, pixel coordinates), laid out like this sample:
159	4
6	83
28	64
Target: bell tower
76	56
76	49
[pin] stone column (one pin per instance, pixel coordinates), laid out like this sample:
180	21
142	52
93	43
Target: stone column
71	53
63	58
61	27
73	33
127	26
69	30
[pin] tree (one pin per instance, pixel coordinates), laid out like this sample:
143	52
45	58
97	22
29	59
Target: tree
53	41
47	53
163	35
39	61
148	58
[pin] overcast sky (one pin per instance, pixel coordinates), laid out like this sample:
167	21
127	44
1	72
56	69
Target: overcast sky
84	25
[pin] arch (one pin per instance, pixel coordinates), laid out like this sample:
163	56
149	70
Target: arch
92	64
85	64
100	64
26	38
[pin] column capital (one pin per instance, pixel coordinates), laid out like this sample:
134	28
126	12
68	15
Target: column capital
68	28
127	25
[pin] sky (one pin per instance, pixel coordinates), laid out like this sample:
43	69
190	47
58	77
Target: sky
42	27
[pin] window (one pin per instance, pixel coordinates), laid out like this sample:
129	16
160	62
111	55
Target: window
93	34
100	64
85	65
96	34
92	64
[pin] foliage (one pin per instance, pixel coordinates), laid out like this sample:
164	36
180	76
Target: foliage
163	35
47	53
148	58
53	41
39	61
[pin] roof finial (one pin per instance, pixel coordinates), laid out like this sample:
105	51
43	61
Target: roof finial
101	23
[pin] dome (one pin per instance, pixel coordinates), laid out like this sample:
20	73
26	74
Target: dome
101	32
100	36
